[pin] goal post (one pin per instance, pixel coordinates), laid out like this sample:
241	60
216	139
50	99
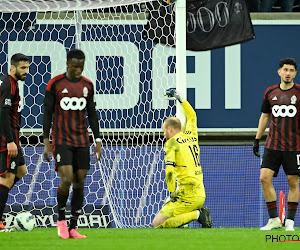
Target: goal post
181	54
130	74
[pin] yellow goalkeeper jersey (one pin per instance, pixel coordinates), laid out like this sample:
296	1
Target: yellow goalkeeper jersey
182	159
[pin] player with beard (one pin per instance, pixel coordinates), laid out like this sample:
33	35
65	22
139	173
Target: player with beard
281	106
12	164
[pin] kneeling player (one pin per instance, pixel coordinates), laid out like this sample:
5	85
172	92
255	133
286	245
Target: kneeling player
182	160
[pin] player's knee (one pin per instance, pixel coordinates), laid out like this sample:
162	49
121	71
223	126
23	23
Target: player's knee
79	184
66	182
158	220
265	179
7	180
155	223
293	182
22	171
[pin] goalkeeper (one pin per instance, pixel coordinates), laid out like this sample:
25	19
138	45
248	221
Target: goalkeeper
182	164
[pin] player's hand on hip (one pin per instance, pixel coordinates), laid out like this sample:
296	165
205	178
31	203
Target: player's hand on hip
172	94
12	149
256	147
47	149
98	151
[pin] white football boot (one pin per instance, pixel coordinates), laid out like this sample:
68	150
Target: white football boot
289	225
273	223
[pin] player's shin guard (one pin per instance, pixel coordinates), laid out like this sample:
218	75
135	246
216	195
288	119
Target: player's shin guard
272	209
3	199
292	209
180	220
76	205
62	199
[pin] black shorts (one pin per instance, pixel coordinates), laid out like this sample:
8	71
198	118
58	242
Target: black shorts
11	164
78	157
290	161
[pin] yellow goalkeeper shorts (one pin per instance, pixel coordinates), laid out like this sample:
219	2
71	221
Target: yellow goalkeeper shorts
182	206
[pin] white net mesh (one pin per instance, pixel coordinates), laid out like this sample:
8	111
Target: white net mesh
130	74
62	5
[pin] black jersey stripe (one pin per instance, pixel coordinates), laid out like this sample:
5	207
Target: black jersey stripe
298	132
14	119
85	134
58	126
285	138
277	144
293	139
70	138
71	126
284	106
77	127
271	136
3	143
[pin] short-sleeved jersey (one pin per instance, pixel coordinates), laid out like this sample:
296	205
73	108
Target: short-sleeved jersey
69	102
284	109
183	153
10	98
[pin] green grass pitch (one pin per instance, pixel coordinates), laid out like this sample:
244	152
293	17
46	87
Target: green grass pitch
149	238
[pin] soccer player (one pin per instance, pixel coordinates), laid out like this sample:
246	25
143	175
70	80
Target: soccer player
68	98
12	164
281	105
182	164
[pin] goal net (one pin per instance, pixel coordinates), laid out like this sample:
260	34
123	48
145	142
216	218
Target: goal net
129	72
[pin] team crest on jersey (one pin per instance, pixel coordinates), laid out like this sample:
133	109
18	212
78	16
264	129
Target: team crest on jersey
58	158
85	92
7	102
13	165
293	99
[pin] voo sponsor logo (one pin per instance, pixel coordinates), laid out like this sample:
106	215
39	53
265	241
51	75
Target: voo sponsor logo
73	103
284	110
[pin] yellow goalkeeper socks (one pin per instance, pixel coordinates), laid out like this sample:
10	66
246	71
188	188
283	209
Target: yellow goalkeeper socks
180	220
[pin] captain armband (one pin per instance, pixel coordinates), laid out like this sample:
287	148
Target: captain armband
172	163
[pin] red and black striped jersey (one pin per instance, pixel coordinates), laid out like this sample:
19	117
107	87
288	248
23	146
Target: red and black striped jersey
284	108
69	103
10	117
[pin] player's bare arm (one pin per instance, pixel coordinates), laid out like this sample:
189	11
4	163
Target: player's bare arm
94	124
262	125
47	149
98	151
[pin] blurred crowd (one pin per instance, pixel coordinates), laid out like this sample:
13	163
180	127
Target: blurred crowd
273	5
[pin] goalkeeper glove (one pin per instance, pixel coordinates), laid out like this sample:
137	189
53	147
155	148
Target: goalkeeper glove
172	94
256	147
171	198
